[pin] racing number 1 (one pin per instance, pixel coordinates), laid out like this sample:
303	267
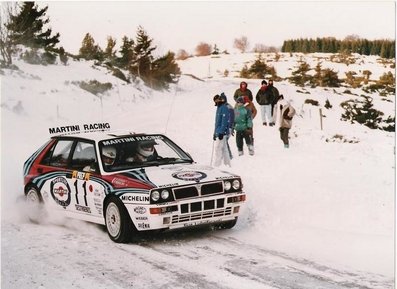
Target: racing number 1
77	192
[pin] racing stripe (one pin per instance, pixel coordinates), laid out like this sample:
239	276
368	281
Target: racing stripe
39	181
140	175
29	162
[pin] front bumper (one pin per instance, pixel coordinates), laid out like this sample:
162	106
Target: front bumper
188	213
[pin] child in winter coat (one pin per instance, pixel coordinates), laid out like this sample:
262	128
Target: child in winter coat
251	107
243	127
283	114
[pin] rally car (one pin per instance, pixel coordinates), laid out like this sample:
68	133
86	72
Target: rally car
130	183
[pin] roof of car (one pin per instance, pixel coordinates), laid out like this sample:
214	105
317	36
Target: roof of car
99	136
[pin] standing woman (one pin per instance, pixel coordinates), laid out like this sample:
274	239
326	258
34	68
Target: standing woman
283	114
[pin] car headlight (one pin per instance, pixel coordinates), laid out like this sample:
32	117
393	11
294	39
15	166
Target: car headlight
236	184
228	186
155	196
165	194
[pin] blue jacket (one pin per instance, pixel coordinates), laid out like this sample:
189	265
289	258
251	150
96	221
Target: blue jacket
224	117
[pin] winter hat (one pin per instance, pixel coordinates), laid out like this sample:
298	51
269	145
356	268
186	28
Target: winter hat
216	98
264	82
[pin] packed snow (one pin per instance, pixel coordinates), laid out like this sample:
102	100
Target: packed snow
325	207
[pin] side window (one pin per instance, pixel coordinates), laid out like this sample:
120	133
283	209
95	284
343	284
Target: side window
61	153
84	157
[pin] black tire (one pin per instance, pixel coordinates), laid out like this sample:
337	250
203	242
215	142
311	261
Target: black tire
228	224
118	222
35	206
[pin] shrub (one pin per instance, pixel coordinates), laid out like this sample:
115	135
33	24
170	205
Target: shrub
94	86
362	112
312	102
327	104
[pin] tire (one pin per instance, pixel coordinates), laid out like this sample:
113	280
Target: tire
34	204
228	224
118	222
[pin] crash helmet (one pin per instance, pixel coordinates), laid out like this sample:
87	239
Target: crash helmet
109	155
146	148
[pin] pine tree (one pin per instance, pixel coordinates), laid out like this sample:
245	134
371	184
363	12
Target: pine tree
89	50
164	71
143	51
27	27
110	53
127	53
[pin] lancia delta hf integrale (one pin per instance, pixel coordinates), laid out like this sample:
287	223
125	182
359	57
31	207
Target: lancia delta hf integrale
130	183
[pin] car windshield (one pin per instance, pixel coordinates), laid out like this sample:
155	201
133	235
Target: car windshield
129	152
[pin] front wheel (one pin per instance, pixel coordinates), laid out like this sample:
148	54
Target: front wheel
228	224
118	222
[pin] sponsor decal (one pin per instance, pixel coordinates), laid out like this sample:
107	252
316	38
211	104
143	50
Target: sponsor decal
135	198
140	210
80	176
119	182
77	128
143	226
60	191
169	185
141	218
131	139
83	209
189	176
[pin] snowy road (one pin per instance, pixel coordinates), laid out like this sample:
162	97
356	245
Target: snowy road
310	221
82	256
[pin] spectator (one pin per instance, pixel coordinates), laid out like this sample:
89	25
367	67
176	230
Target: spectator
275	93
251	107
283	114
222	130
264	97
243	127
243	91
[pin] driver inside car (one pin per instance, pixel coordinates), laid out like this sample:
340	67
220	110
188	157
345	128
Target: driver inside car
145	151
108	156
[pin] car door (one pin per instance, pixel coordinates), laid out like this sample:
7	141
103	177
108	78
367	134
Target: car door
85	181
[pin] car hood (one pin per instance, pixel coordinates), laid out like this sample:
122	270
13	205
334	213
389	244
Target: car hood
179	175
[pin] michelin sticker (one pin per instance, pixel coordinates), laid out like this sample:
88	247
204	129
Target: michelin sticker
189	176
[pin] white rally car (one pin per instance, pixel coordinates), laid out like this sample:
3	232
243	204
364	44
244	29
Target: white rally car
130	183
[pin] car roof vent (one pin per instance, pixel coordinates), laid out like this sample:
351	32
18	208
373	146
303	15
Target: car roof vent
120	132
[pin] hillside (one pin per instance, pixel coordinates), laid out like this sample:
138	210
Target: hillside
320	214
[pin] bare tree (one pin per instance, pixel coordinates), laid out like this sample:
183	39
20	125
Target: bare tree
241	44
182	54
203	49
7	9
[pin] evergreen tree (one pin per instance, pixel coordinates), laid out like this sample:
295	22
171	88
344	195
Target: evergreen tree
127	53
27	27
165	70
89	50
143	51
110	53
300	76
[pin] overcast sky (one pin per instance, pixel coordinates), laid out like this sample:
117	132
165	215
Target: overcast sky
178	25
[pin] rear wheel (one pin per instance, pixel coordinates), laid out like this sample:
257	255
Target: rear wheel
34	201
118	222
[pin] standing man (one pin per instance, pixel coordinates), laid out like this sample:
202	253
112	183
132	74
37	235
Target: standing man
264	99
243	91
275	96
222	130
283	114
